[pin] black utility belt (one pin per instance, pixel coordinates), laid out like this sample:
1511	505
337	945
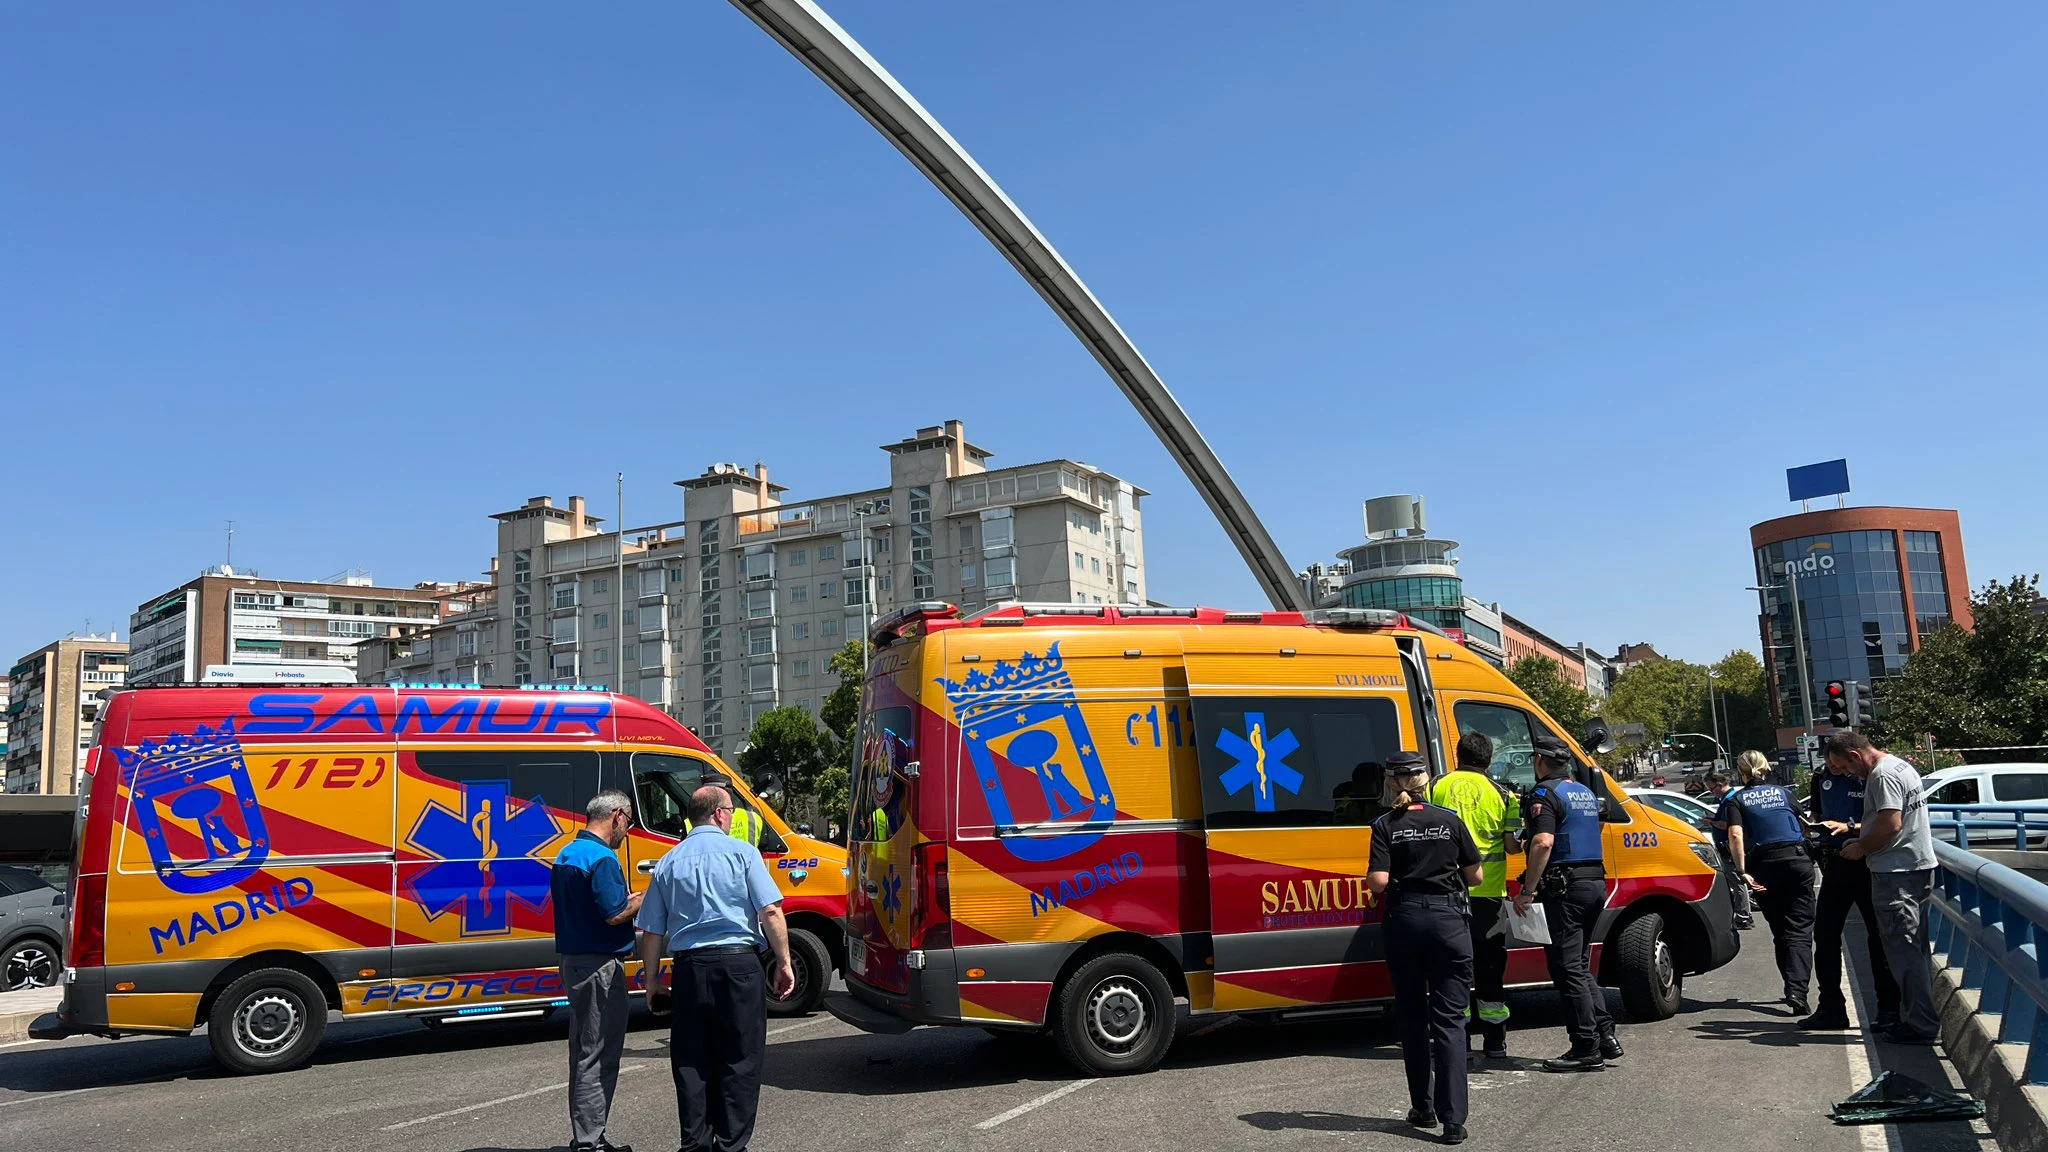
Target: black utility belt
1432	900
716	950
1772	853
1558	877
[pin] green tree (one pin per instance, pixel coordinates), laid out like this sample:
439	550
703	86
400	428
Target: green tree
786	749
1745	703
1544	681
1986	686
1664	696
841	709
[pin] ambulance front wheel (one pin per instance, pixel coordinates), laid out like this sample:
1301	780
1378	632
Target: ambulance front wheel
1651	984
267	1021
812	963
1116	1016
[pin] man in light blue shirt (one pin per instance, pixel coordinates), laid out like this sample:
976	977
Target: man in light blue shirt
710	905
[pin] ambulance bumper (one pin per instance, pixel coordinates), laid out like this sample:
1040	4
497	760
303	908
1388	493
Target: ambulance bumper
931	996
83	1011
1717	913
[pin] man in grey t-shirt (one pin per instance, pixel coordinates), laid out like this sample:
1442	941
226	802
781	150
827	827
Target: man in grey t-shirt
1899	849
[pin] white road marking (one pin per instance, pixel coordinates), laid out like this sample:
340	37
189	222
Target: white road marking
1874	1137
1041	1102
54	1095
800	1026
19	1043
467	1108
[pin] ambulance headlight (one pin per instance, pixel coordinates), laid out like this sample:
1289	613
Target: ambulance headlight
1705	851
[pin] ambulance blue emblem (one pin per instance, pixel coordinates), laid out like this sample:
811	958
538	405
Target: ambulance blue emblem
196	787
1027	714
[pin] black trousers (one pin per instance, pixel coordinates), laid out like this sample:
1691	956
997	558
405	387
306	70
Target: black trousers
1429	958
718	1031
1572	917
1489	961
1845	884
1787	902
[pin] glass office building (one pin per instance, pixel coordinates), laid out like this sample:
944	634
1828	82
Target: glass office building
1871	582
1400	566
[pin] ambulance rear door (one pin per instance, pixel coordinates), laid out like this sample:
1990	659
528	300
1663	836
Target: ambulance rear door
1292	743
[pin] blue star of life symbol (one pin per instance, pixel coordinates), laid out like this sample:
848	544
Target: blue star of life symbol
892	891
1261	761
486	855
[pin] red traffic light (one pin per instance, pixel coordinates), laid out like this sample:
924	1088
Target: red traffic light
1834	689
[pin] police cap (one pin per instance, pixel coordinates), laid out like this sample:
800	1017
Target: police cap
1402	763
1551	748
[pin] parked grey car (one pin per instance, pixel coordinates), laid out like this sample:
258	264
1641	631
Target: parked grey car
31	930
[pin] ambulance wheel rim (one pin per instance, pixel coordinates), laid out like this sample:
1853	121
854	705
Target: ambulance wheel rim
800	967
268	1022
1667	968
1117	1014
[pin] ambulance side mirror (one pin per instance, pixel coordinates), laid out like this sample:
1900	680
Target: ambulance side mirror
1597	740
912	769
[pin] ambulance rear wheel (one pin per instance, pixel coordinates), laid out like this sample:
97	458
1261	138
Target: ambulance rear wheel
1651	984
1116	1016
812	964
267	1021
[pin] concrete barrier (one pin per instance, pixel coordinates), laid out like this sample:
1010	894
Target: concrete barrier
2016	1111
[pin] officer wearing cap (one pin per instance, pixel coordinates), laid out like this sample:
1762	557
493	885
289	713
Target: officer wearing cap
1768	842
1423	859
1566	871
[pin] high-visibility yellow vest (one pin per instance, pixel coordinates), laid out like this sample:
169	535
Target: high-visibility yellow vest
1484	808
746	825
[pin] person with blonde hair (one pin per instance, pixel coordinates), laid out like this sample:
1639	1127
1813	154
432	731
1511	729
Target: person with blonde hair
1768	842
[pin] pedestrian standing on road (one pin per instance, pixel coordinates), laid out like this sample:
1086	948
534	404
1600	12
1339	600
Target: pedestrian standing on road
1566	870
1898	847
594	936
1768	842
1484	807
1836	804
1423	859
710	906
1720	789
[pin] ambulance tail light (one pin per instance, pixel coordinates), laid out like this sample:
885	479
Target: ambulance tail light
89	922
935	899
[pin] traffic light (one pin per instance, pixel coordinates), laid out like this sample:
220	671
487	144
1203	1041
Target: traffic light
1846	704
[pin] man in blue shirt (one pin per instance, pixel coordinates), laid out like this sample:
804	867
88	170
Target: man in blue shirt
710	905
594	935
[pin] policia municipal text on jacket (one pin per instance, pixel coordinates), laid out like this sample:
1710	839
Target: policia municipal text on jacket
1423	859
1768	842
1490	816
1566	871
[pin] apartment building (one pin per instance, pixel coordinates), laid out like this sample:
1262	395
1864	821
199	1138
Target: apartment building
737	606
232	625
53	710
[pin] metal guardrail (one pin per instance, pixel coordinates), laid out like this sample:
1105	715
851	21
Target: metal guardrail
1991	923
2001	823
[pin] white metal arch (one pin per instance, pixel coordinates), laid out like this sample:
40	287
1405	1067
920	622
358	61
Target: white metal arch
839	60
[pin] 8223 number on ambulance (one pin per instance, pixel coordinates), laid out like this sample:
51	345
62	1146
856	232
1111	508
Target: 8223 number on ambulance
1069	818
252	860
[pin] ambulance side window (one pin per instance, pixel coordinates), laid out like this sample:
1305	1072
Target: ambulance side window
1514	756
564	781
661	791
1282	762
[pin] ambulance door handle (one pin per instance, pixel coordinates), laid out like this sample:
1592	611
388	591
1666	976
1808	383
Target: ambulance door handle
873	889
647	866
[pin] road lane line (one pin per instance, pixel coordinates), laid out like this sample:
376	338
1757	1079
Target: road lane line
54	1095
623	1069
1027	1106
805	1024
1874	1137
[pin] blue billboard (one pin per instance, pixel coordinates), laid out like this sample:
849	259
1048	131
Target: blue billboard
1828	478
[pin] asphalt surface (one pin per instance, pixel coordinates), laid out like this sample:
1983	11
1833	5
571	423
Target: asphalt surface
1729	1070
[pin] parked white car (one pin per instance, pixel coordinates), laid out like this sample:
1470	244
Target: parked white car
1694	810
1991	787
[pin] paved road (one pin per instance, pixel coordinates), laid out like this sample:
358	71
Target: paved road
1727	1070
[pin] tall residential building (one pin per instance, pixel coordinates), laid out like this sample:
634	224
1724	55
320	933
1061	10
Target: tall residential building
5	712
53	710
250	628
737	606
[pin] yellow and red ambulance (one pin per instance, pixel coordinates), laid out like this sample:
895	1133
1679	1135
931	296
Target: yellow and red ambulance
251	860
1067	818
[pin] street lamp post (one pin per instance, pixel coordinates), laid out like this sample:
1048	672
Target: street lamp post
1714	711
861	512
1791	586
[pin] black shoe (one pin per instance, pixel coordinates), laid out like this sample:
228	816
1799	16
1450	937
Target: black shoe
1576	1061
1421	1118
1744	924
1454	1134
1798	1005
1610	1047
1493	1043
1828	1019
1888	1019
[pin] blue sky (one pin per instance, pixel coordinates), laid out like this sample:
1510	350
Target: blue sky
1589	277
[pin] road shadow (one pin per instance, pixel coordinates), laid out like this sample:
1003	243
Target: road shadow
1335	1122
1773	1033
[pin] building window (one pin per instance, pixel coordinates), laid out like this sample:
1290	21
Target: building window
604	656
801	669
600	585
828	589
969	572
799	593
565	595
760	604
827	552
801	630
854	593
758	566
884	581
602	622
760	642
829	629
761	678
1002	571
1080	562
1095	565
650	655
565	630
997	529
799	557
630	616
967	537
675	574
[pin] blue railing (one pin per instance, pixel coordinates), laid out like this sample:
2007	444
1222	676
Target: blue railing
1990	823
1989	924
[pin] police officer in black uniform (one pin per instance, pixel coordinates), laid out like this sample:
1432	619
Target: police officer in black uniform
1769	846
1566	871
1836	804
1424	859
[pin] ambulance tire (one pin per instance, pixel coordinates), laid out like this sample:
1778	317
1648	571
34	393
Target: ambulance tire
1115	1016
1651	984
270	1020
812	962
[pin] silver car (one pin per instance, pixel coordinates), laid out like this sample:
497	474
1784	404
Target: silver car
31	930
